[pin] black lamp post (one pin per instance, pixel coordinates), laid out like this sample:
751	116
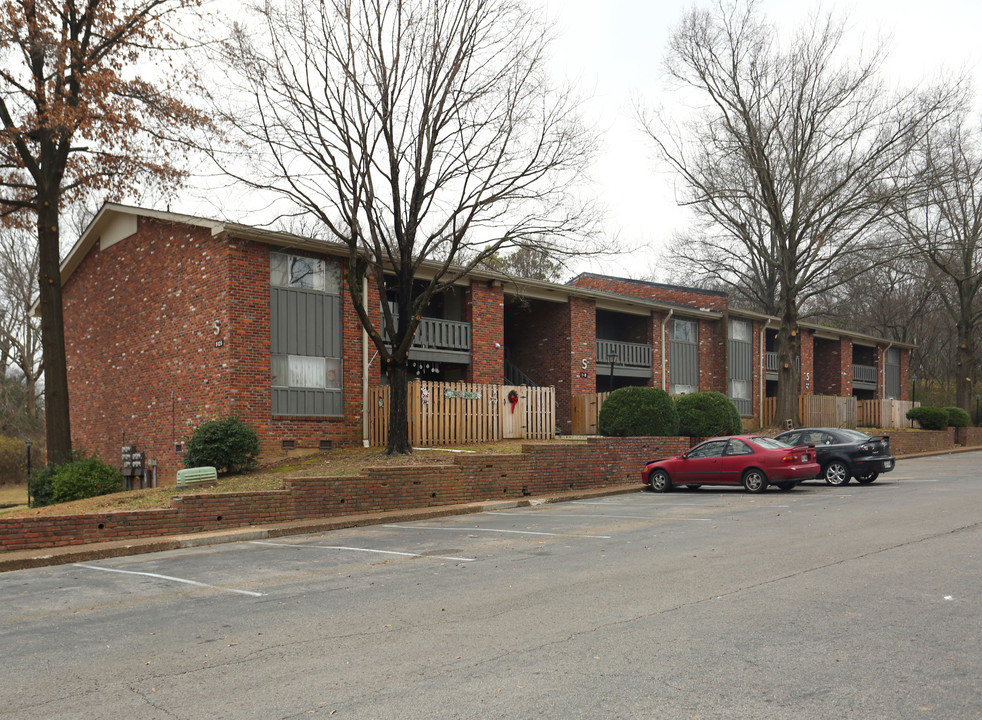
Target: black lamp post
28	442
611	358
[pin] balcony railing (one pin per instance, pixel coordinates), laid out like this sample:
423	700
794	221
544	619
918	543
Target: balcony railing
864	375
771	364
441	336
628	355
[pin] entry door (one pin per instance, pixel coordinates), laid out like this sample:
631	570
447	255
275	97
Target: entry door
512	413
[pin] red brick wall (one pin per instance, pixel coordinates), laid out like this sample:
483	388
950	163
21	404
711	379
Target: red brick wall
904	374
139	331
828	367
806	374
539	469
147	364
485	311
703	299
713	354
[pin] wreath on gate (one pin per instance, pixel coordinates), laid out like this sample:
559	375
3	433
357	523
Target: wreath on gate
513	399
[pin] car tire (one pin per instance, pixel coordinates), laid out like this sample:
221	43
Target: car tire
754	481
868	478
785	486
659	481
836	473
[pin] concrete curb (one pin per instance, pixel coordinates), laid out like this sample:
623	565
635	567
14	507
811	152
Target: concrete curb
44	557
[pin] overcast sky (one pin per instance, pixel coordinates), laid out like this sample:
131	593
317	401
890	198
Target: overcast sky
615	49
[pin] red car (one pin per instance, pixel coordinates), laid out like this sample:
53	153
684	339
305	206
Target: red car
753	461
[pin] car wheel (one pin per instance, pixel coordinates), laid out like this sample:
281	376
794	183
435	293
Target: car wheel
785	486
659	481
868	478
755	480
836	473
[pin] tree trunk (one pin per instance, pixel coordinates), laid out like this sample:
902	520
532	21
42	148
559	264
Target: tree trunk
788	350
965	367
56	409
398	410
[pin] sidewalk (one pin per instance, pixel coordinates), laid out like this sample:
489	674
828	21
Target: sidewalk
23	559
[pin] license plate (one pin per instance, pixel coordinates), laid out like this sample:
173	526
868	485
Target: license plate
804	457
888	464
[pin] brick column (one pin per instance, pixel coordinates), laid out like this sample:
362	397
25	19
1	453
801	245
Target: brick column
806	374
485	311
845	367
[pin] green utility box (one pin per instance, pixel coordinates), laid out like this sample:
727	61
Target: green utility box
196	477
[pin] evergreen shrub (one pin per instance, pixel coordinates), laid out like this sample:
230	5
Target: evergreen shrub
229	445
957	417
707	414
638	412
929	418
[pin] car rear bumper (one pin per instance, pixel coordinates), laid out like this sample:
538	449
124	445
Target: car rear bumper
873	464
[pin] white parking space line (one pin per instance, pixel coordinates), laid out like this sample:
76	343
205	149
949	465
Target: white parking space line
494	530
553	514
171	579
364	550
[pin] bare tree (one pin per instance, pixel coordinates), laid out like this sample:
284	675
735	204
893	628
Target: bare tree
20	332
77	115
943	222
791	153
413	131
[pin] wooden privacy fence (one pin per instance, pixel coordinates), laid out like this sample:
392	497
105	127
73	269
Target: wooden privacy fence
884	413
817	411
461	413
586	412
831	411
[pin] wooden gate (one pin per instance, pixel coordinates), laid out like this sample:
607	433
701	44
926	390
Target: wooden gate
463	413
586	412
817	411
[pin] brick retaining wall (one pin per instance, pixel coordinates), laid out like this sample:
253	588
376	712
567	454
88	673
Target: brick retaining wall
538	470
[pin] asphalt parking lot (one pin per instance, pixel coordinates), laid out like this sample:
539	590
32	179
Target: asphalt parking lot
857	602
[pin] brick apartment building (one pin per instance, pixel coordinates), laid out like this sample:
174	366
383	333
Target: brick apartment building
172	320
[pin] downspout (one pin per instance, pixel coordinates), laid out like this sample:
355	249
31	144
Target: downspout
664	350
364	366
762	382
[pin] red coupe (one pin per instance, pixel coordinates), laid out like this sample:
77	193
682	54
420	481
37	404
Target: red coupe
753	461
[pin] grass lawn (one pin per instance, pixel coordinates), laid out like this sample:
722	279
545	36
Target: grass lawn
336	463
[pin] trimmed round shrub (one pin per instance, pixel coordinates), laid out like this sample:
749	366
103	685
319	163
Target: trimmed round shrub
229	445
928	417
957	417
84	477
707	414
638	412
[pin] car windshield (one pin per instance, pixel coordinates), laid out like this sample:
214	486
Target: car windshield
853	435
769	443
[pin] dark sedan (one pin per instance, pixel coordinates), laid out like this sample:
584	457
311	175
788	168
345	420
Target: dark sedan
844	453
752	461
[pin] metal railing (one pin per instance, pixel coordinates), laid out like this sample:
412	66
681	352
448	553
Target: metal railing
627	354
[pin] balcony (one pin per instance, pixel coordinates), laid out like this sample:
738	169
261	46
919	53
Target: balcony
632	359
770	365
439	340
864	377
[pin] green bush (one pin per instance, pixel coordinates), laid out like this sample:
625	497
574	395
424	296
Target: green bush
638	412
957	417
83	477
929	418
707	414
228	445
41	485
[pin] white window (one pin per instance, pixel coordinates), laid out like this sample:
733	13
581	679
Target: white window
740	389
302	371
685	331
304	273
740	330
